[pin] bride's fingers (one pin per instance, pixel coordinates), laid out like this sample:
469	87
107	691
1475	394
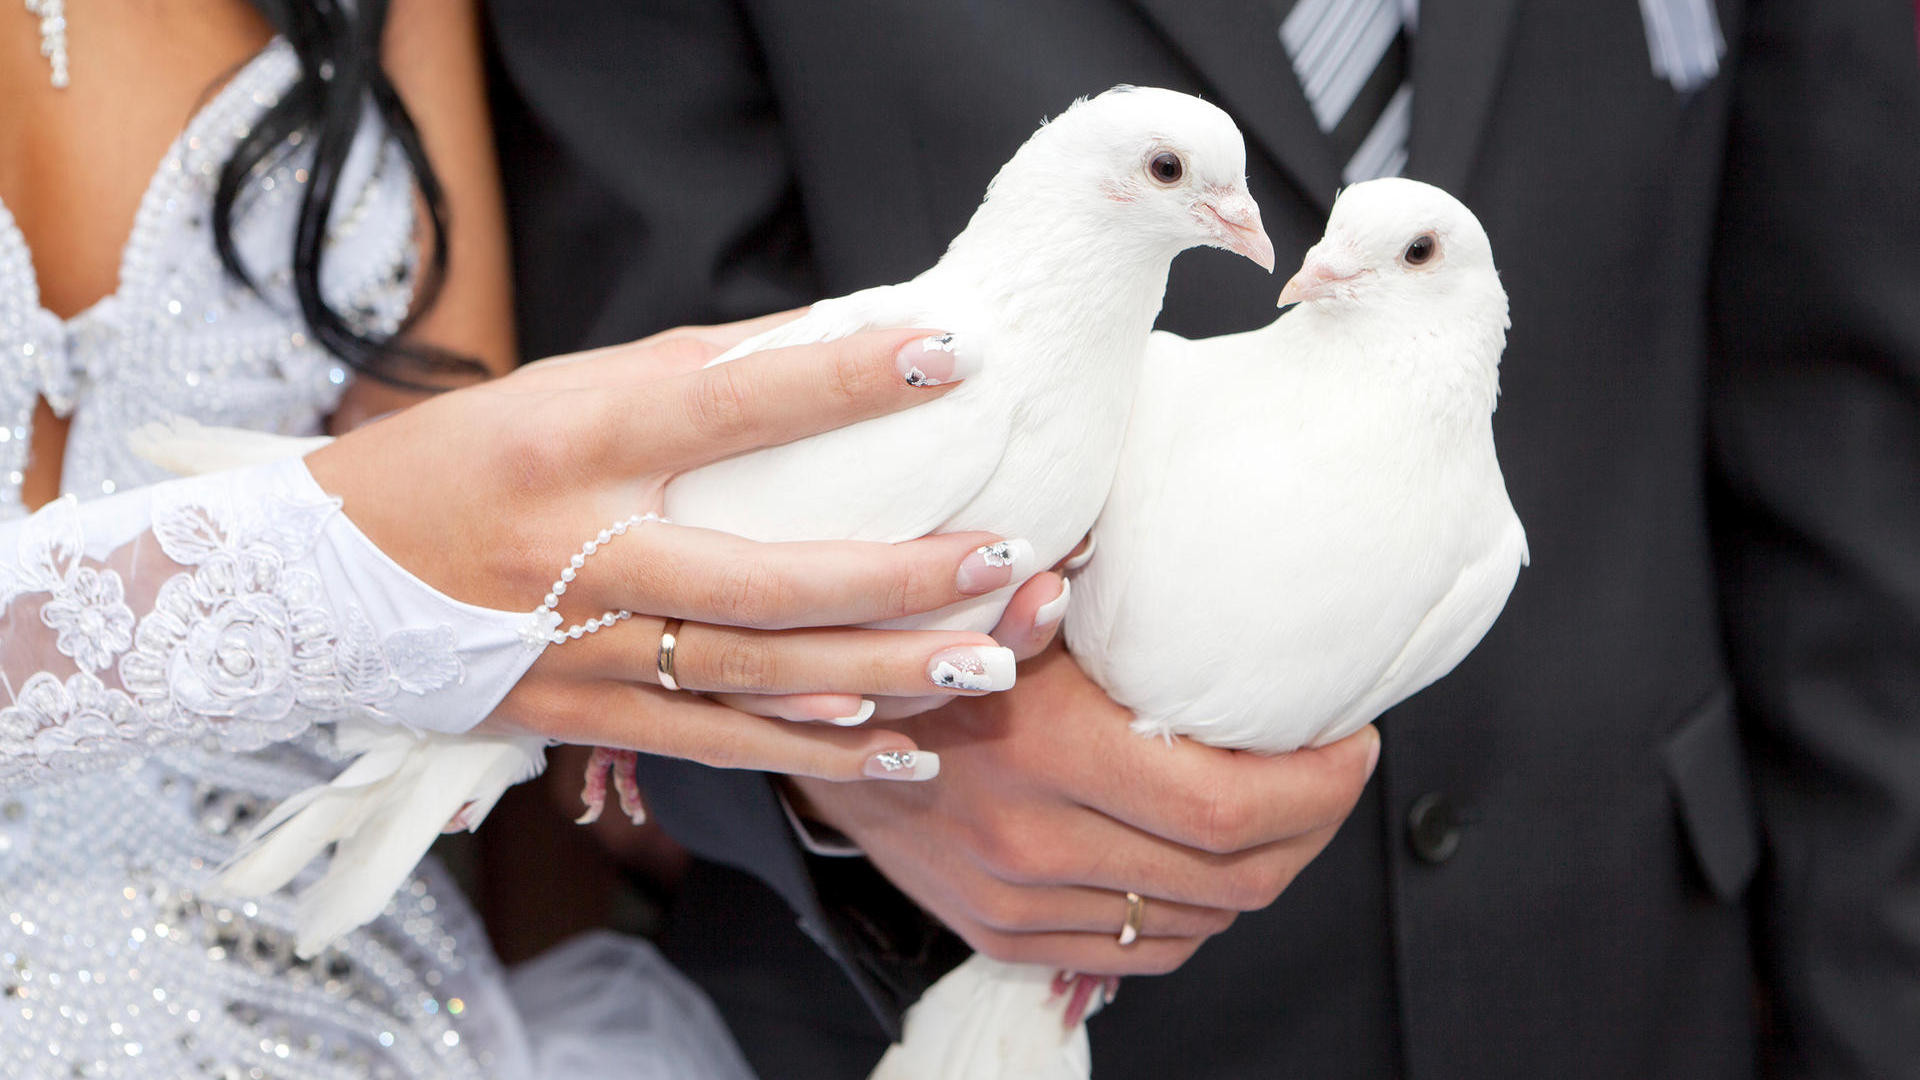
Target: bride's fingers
842	710
1033	616
656	721
768	398
730	660
678	571
1027	626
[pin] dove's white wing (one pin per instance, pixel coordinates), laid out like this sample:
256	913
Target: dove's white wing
1448	633
837	485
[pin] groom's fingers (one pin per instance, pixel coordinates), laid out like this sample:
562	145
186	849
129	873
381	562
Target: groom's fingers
759	400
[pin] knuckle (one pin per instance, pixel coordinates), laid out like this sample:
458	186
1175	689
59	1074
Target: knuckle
1014	855
717	402
1255	885
1222	820
741	662
1006	909
908	590
750	593
850	379
530	458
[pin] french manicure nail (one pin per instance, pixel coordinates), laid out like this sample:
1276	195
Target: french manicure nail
935	361
972	667
1373	756
1081	559
1055	609
860	716
903	765
992	567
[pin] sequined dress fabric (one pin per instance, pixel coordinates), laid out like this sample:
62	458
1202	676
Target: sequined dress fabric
115	959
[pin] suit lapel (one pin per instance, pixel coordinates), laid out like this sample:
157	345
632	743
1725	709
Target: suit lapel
1459	52
1235	47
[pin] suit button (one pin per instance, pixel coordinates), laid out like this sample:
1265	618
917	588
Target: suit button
1433	827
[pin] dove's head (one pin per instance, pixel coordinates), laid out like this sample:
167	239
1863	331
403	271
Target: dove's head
1148	166
1403	247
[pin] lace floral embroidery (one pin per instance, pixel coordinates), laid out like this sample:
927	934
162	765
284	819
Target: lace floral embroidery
91	616
240	642
58	722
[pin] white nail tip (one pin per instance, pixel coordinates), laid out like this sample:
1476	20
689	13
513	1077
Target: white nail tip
865	714
1080	560
1055	609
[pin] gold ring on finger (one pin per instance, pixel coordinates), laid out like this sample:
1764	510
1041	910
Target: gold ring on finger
669	637
1136	914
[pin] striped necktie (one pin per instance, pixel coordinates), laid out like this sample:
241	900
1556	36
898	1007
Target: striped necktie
1351	56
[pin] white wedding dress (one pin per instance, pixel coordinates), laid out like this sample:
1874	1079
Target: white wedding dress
173	653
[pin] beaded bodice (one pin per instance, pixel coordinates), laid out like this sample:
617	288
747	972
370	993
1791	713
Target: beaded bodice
115	958
179	336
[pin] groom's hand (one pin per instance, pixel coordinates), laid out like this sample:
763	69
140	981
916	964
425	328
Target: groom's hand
1048	810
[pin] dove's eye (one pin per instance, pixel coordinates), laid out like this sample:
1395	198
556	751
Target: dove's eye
1166	167
1420	250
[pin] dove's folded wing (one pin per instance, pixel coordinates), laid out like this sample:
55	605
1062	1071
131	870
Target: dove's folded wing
1448	633
834	486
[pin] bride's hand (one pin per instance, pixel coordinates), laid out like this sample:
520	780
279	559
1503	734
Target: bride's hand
487	492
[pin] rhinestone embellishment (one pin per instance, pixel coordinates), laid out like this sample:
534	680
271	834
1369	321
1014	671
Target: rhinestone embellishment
53	36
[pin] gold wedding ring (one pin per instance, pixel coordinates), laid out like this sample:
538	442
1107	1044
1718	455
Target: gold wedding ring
669	635
1136	914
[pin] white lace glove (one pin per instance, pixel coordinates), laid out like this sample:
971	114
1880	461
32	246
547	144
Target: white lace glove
241	606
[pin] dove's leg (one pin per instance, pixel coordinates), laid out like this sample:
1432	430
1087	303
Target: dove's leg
1079	991
619	764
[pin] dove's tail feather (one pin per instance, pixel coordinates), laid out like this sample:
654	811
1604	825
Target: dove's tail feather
188	448
382	812
989	1021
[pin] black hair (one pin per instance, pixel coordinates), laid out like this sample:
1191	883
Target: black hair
338	45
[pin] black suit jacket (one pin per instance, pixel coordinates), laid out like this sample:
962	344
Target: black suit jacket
1665	822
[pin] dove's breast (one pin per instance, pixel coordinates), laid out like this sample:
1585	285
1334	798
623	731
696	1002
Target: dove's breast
1270	547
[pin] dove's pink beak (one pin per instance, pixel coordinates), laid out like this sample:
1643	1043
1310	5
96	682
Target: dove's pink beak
1317	278
1235	224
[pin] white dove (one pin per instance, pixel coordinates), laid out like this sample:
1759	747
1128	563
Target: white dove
1307	526
1053	286
1050	291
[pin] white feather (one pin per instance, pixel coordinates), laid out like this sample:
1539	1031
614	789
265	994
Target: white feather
188	448
986	1020
385	808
